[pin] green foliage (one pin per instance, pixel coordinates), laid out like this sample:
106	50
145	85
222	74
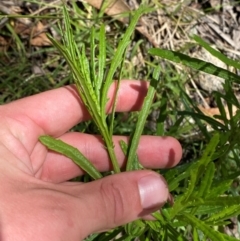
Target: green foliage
198	204
71	152
92	87
142	119
201	188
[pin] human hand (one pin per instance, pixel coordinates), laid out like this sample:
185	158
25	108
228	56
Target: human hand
37	201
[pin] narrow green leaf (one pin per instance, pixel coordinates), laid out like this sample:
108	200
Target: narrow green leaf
209	151
230	177
155	226
206	181
195	170
162	114
69	42
142	119
221	201
174	172
226	213
79	80
214	123
207	230
173	233
73	153
124	147
92	59
92	237
195	235
223	115
174	182
101	61
119	54
85	69
200	166
189	106
195	63
135	228
205	210
111	235
229	238
216	53
114	65
115	96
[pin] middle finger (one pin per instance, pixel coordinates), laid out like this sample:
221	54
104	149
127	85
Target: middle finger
153	152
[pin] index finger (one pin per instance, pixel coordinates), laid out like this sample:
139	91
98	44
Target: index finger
56	111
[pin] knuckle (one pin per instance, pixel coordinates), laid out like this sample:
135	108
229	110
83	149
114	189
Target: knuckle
114	203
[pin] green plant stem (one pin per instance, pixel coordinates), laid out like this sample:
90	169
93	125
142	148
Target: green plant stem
110	147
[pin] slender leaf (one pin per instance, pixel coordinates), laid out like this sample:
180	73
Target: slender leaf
115	97
71	152
195	63
142	119
135	228
163	114
124	42
189	105
92	59
220	201
229	238
224	214
219	187
206	181
195	235
196	170
208	231
136	164
216	53
102	61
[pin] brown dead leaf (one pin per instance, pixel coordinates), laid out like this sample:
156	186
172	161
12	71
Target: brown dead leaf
36	33
114	7
22	29
39	36
118	7
3	44
215	111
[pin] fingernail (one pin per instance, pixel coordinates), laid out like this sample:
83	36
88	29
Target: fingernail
153	191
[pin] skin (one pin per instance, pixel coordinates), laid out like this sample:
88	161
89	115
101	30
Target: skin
37	201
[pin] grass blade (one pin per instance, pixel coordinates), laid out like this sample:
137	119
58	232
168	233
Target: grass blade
215	53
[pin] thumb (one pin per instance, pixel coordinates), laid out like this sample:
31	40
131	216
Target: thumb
118	199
